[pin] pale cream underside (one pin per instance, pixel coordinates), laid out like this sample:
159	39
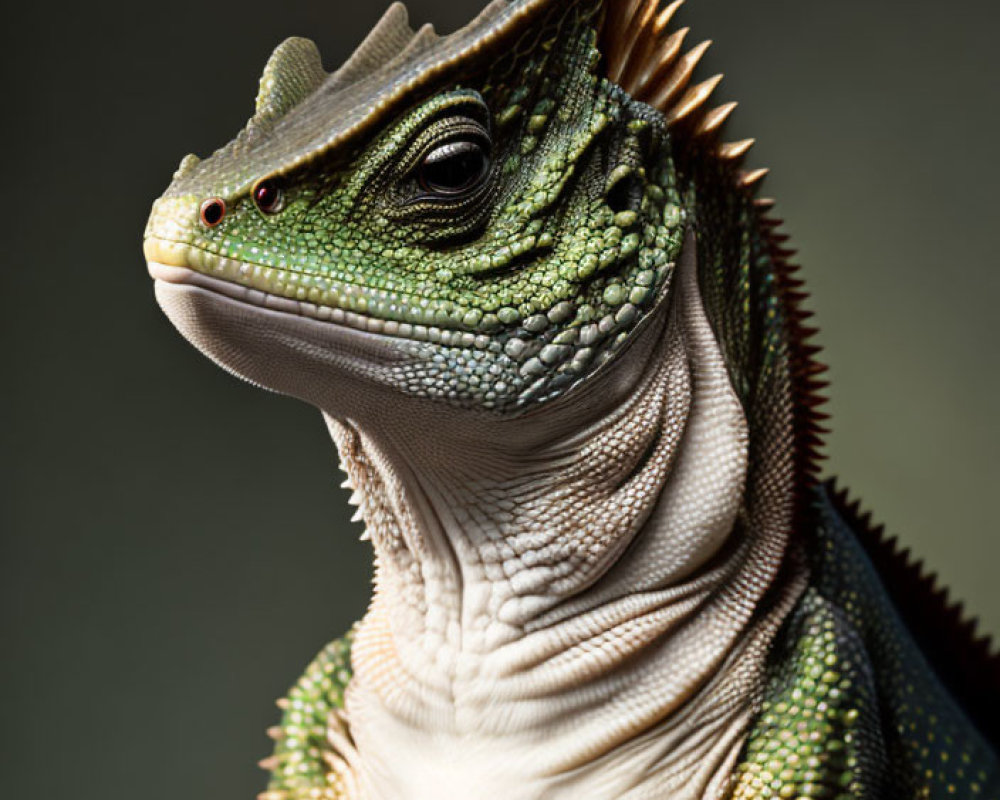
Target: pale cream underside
512	650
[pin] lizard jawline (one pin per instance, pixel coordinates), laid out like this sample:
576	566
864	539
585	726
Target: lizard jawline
173	274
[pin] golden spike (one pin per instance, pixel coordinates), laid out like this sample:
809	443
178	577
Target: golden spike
270	763
731	151
648	45
679	78
276	732
693	99
748	179
273	794
656	70
620	44
282	703
714	119
644	26
665	16
630	8
647	61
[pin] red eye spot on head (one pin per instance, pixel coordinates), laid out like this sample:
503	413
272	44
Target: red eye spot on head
268	196
212	211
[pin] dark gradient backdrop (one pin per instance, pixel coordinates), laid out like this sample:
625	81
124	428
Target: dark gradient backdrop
175	548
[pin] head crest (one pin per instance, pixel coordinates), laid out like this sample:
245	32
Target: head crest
394	64
390	67
293	72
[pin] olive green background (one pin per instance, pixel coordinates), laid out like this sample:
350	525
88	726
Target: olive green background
174	545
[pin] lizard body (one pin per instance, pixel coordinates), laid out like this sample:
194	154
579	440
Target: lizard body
559	348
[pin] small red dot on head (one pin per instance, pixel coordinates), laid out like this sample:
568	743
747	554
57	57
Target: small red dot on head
212	211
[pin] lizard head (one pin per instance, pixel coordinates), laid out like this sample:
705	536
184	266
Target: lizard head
483	219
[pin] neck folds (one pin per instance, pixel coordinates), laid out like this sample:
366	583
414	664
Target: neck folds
581	614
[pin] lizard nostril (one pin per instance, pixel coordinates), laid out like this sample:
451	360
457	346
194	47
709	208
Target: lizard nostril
212	211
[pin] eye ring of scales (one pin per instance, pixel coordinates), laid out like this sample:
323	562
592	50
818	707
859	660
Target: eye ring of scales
577	404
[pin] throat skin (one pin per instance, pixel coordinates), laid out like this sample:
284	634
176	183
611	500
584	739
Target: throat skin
576	609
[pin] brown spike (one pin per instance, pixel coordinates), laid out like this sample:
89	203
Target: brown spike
679	77
619	35
646	60
270	763
764	202
732	151
664	17
635	38
714	119
624	13
748	179
693	99
648	31
276	732
644	19
650	70
641	42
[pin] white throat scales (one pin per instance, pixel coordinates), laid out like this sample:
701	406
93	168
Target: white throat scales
571	621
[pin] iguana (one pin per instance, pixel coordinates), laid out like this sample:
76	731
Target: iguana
561	350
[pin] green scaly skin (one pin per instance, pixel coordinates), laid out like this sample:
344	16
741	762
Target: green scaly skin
516	294
852	709
510	296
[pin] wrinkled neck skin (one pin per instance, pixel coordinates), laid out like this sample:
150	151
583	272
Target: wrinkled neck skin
565	612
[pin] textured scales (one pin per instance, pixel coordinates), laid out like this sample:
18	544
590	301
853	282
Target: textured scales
610	570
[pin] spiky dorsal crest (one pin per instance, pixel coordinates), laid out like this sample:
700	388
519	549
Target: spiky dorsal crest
644	54
966	662
646	57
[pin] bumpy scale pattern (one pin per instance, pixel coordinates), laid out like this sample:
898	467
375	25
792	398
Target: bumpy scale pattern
513	294
932	750
852	710
812	738
299	770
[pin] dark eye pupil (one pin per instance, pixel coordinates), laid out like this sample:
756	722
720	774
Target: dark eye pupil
267	196
454	167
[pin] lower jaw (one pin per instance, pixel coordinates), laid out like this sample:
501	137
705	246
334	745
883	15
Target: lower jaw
404	330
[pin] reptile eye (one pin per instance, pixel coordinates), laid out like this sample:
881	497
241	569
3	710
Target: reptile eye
268	196
212	211
454	168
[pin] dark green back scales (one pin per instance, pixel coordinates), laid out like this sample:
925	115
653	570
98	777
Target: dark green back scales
853	710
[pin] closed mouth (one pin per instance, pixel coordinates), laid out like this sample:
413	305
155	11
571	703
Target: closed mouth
169	261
